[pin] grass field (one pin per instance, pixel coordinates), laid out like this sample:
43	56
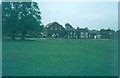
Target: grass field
60	58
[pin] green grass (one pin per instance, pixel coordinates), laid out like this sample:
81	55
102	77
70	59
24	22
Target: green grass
60	58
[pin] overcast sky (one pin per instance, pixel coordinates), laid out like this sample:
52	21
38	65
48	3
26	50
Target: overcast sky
75	0
94	15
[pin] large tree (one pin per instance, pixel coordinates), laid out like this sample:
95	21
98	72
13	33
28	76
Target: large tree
20	18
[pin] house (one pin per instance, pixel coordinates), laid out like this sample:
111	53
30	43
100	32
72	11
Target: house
82	33
116	35
54	30
94	34
106	33
70	32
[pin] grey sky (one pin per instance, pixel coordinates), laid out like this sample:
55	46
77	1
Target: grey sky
76	0
94	15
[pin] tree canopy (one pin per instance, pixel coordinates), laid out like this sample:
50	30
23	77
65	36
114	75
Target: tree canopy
19	18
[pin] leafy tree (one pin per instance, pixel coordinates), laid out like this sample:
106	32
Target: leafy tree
67	25
19	18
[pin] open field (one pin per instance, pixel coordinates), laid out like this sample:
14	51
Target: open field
60	57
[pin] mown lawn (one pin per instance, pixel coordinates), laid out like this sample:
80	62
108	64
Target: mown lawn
60	58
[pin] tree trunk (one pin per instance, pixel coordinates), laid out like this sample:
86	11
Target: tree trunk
13	37
22	36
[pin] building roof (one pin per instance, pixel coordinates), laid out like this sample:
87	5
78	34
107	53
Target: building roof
51	24
69	28
83	29
93	31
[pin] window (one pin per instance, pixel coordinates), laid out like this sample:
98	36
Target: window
86	33
110	33
55	28
60	28
82	36
81	33
86	36
51	28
